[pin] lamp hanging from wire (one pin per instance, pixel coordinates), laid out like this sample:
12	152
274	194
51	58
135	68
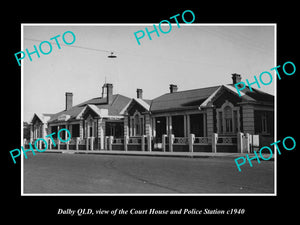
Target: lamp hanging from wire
112	55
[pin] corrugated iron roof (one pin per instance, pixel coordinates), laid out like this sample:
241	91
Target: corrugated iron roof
114	109
180	100
190	99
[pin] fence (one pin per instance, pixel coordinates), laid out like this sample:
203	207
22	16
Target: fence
180	144
118	144
226	144
242	143
185	144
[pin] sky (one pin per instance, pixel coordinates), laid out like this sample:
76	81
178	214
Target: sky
192	56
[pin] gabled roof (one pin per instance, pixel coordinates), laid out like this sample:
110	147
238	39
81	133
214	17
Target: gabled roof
182	99
199	98
114	109
99	112
143	102
255	95
43	117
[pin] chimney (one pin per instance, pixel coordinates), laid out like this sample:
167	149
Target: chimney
107	92
139	93
236	78
109	88
173	88
69	100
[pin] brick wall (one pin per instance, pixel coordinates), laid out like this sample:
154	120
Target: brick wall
248	119
210	122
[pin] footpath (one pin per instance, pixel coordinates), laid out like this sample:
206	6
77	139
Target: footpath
158	153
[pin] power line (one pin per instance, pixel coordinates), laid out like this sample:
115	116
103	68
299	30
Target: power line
75	46
168	59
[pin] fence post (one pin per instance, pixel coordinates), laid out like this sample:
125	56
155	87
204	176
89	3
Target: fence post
214	142
240	142
143	142
58	144
248	136
171	140
149	143
87	143
255	141
164	142
77	143
126	138
191	142
40	145
105	143
49	143
92	143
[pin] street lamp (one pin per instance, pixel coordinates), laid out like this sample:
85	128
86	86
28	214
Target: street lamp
112	55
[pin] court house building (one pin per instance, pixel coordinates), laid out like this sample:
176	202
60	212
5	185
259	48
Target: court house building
210	119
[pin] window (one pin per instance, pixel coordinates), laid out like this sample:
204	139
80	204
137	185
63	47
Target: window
220	122
137	125
131	127
90	127
38	130
228	125
228	118
263	122
235	120
91	132
75	130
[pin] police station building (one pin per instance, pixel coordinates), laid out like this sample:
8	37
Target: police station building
211	119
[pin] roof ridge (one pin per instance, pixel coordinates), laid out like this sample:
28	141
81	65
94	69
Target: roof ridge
195	89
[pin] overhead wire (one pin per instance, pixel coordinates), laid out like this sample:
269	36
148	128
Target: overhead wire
134	54
74	46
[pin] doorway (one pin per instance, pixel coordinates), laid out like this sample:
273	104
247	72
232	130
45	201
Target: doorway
160	130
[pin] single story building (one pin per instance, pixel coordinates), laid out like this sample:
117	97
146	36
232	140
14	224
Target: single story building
205	119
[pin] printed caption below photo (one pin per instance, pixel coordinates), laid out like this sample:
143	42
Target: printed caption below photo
152	211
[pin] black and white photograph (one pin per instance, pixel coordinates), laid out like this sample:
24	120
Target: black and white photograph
143	112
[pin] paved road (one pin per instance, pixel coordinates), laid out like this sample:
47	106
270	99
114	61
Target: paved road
83	173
